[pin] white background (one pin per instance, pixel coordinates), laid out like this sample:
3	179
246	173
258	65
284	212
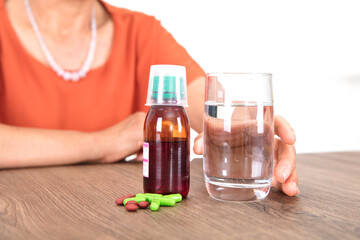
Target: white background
312	48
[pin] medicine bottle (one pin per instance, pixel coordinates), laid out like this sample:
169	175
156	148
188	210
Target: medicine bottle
166	150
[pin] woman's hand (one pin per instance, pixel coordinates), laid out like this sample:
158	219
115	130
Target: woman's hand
123	139
284	176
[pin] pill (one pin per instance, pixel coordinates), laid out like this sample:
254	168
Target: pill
144	204
120	200
131	207
177	197
137	199
164	201
143	195
131	202
147	197
167	202
140	195
155	204
154	194
130	195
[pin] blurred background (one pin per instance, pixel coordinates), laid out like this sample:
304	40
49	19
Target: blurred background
312	48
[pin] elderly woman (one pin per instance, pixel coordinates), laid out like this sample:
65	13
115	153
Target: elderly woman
73	82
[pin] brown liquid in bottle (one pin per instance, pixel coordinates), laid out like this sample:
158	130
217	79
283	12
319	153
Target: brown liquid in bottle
167	137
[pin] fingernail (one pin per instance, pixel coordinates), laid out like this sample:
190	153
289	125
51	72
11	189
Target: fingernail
298	191
285	174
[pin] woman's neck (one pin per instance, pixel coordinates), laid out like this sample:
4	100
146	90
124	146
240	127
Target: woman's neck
63	18
65	28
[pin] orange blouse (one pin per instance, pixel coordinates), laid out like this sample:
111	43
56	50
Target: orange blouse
32	95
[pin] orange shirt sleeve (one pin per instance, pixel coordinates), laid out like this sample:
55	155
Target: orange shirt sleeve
155	45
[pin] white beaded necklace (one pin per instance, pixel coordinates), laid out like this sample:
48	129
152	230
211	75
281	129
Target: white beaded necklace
66	75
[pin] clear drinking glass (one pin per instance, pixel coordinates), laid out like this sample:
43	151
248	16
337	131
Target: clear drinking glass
238	135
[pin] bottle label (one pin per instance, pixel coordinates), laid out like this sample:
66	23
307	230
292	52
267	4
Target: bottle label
146	159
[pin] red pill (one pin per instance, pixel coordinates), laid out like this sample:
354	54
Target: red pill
131	202
131	207
130	195
144	204
120	200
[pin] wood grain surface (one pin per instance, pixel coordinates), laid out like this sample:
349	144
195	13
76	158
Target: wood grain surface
77	202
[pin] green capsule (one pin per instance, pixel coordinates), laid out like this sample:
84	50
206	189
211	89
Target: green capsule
155	204
169	202
177	197
154	194
141	195
147	197
137	199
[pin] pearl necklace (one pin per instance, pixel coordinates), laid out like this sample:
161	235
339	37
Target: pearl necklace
66	75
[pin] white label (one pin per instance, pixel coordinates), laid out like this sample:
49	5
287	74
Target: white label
146	159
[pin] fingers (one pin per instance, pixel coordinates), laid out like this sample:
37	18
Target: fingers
290	187
284	130
198	144
285	175
286	161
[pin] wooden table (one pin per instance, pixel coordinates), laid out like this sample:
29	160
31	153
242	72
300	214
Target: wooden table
77	202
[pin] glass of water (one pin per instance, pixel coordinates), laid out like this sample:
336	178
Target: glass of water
238	135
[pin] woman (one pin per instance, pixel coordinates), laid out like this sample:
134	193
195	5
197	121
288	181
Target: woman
73	82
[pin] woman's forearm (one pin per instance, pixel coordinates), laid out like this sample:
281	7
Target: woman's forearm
29	147
24	147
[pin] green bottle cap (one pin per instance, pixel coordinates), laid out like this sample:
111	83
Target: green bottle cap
169	90
167	85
